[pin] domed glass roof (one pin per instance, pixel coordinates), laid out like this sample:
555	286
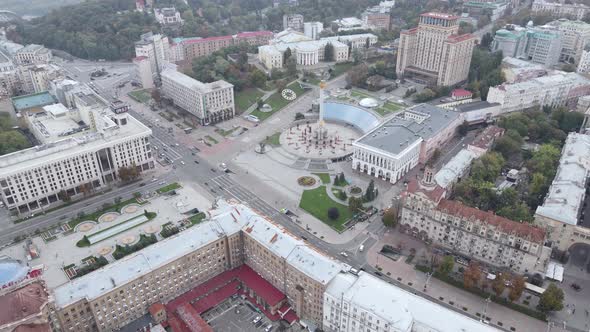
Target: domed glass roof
12	270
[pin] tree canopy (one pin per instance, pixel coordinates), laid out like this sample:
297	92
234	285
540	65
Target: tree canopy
10	140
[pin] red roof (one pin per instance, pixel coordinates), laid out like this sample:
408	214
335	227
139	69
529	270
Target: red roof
487	137
22	303
435	194
192	319
523	230
176	324
216	297
410	31
461	93
260	286
291	317
247	34
156	308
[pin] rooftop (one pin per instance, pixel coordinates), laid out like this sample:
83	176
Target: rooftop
474	106
189	82
455	168
566	194
404	310
22	303
398	133
23	103
440	15
486	139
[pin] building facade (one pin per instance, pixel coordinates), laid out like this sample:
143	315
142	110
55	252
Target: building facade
556	9
33	54
313	29
377	20
81	150
476	234
558	89
143	71
293	21
584	63
156	48
209	102
448	64
393	148
168	16
575	36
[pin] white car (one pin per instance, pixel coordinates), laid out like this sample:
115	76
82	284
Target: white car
268	328
343	254
182	162
256	320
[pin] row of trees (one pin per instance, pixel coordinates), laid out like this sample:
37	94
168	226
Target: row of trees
357	75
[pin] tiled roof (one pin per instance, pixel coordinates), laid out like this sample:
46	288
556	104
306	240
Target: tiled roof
22	303
461	93
435	195
521	229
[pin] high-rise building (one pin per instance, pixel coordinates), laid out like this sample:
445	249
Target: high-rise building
584	63
209	102
293	21
575	35
143	71
156	48
313	29
434	52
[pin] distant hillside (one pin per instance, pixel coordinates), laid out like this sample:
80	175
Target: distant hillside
98	29
34	7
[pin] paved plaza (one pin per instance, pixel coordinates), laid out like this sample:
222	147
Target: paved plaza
62	251
306	140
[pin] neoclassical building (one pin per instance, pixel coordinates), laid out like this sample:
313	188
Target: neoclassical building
393	148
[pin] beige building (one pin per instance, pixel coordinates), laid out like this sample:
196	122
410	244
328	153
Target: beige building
143	72
477	234
561	212
560	9
575	35
33	54
434	52
156	48
209	102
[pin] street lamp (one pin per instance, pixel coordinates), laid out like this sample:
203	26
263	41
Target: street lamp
485	309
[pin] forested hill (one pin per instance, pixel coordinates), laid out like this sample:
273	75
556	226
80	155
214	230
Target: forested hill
103	29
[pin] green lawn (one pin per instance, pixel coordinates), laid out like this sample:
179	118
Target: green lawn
224	132
389	108
94	216
317	202
340	68
211	139
246	98
197	218
359	94
168	188
325	177
273	139
277	102
142	96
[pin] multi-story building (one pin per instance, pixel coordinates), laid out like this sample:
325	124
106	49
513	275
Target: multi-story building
168	16
25	308
310	52
32	54
349	24
254	38
209	102
233	247
477	234
517	70
393	148
37	78
355	302
543	46
558	89
434	52
80	148
156	48
574	11
376	19
143	72
313	29
575	36
293	21
561	213
511	40
584	63
9	76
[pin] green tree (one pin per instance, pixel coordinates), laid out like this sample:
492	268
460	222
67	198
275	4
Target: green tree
390	216
370	192
507	146
517	212
355	204
329	52
286	55
292	66
498	285
424	96
551	299
357	57
333	213
446	266
257	78
488	167
518	286
357	75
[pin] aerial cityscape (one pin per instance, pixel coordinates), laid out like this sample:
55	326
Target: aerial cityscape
294	165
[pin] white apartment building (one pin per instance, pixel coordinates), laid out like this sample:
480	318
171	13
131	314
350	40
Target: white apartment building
143	71
393	148
310	52
168	16
37	78
575	35
350	23
558	89
156	48
474	233
560	9
293	21
561	212
33	54
434	52
584	63
359	302
209	102
313	29
81	147
9	78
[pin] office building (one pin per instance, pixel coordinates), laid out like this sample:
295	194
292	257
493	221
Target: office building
584	63
143	72
561	213
209	102
393	148
434	52
37	78
559	9
33	54
349	24
543	46
555	90
168	16
470	232
9	76
80	149
236	251
293	21
156	48
313	29
510	40
575	36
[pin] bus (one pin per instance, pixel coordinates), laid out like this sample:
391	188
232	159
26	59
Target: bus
536	290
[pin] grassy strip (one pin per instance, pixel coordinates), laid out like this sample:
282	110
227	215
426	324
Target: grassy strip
84	242
246	98
141	96
224	132
340	68
325	177
168	187
197	218
500	300
95	215
211	139
277	102
317	202
273	139
144	241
